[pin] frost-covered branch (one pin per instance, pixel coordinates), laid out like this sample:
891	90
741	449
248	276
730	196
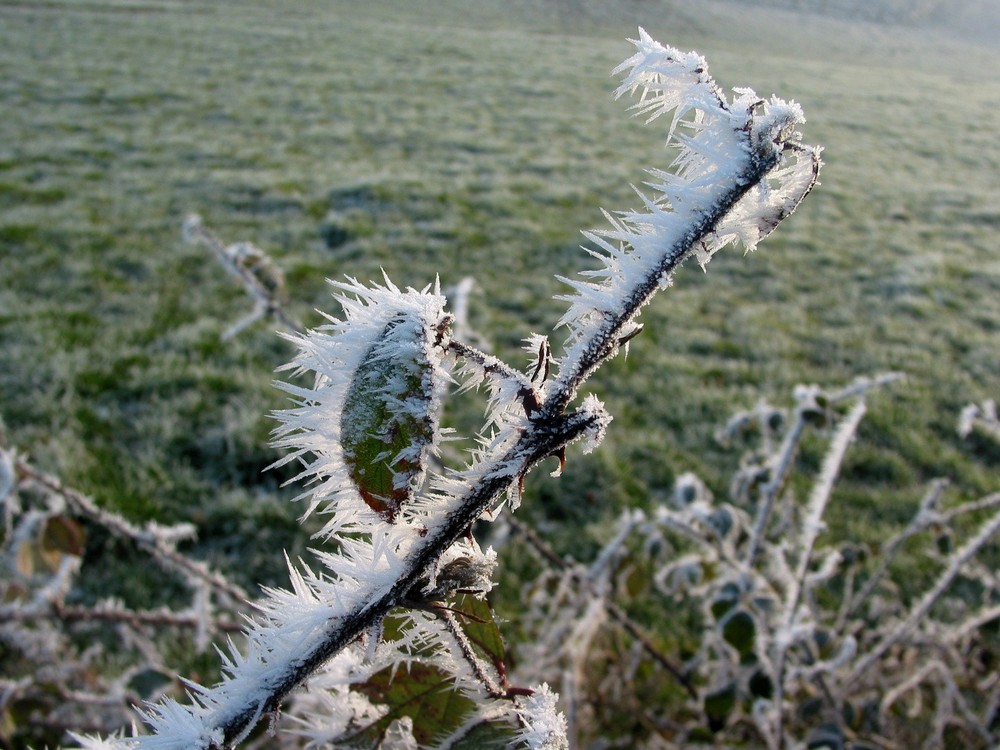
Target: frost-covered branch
777	638
811	406
113	613
262	279
615	612
987	532
366	433
158	541
811	526
740	171
63	674
925	516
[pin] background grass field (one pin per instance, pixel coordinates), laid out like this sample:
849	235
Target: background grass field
469	139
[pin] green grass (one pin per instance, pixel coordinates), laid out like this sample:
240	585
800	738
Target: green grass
469	139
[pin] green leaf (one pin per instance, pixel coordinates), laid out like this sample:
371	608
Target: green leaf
740	632
480	627
388	422
424	693
761	686
944	542
719	704
491	735
721	521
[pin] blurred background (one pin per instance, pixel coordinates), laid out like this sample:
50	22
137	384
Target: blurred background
476	139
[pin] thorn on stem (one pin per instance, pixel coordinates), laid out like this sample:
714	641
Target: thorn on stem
561	456
631	335
541	373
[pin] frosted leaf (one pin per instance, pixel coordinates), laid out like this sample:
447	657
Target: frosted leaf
364	432
388	422
681	575
689	490
368	427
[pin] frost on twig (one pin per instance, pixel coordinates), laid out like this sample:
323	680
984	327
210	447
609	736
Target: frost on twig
262	279
980	417
740	170
158	541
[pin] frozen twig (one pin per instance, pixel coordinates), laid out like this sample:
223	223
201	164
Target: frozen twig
614	611
114	614
812	525
956	562
926	515
262	279
154	540
980	417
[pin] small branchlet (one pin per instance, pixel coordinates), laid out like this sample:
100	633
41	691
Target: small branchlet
981	417
262	278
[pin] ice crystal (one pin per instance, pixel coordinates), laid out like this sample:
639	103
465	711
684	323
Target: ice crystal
544	726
